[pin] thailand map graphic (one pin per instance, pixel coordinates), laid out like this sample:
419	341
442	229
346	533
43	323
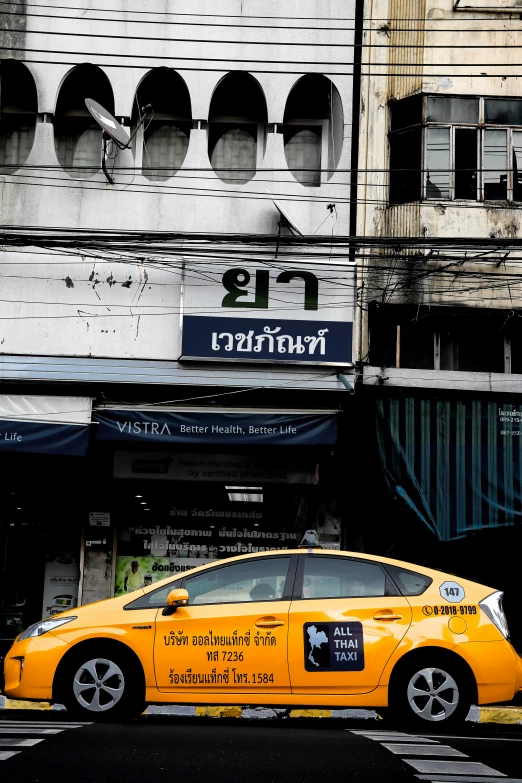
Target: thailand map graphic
317	638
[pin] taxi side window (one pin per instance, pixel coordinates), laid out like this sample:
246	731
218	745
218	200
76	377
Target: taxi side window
262	580
154	599
409	582
336	577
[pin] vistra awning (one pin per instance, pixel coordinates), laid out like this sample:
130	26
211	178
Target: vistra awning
216	427
44	425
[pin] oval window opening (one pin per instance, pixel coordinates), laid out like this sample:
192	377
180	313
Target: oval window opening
313	129
166	135
237	128
77	136
18	111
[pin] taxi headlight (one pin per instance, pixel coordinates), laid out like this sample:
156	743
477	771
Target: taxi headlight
43	626
492	608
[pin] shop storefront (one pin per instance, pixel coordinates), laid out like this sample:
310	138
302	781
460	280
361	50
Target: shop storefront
104	496
189	487
42	442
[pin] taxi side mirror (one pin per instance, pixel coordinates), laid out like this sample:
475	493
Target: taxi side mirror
175	598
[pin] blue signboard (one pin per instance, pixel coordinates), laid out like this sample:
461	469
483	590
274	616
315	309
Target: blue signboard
43	438
216	428
267	340
333	647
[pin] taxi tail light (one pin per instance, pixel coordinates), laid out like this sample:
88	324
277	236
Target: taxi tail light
492	608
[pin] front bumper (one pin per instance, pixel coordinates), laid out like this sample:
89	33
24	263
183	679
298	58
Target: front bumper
29	667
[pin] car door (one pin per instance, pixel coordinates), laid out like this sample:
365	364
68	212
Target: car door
346	620
233	635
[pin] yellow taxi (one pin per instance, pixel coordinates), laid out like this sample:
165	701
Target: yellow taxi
306	627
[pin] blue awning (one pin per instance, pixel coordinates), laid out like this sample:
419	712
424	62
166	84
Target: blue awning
44	425
216	427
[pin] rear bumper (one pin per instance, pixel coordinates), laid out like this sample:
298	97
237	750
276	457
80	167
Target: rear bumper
497	669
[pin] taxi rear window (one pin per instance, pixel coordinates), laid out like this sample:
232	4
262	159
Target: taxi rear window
409	582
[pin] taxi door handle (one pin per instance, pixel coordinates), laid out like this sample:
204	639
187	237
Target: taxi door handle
385	616
270	622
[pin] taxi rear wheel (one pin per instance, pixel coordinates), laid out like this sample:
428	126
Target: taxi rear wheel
431	692
102	686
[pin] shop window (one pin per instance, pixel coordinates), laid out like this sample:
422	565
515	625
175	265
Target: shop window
313	128
77	137
263	580
165	139
332	577
237	128
463	158
18	110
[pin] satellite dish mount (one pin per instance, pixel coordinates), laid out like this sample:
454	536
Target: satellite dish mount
285	221
113	131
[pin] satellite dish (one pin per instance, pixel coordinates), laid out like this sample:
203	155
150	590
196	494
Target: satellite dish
108	123
286	220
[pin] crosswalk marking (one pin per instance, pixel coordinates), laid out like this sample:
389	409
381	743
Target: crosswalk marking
42	724
452	768
29	730
395	736
19	743
435	770
467	779
424	750
7	754
11	731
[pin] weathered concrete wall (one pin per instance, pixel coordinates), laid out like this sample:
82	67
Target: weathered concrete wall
97	579
428	47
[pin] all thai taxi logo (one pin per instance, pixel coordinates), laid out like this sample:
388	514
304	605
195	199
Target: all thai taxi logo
333	647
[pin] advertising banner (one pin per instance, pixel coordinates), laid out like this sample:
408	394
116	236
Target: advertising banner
177	466
277	313
62	576
216	428
45	425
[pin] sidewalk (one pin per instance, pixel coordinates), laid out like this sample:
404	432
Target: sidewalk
501	714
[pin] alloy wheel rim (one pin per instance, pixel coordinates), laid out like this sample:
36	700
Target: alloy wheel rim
98	685
433	694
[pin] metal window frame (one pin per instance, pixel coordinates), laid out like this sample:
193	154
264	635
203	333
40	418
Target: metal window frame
509	189
481	127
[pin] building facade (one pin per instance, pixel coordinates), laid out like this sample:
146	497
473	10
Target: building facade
177	309
439	338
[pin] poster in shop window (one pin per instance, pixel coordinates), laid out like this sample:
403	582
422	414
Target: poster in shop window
62	576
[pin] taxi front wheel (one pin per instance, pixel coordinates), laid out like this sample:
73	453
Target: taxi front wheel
425	693
101	687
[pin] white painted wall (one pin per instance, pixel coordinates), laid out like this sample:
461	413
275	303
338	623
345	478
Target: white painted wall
54	317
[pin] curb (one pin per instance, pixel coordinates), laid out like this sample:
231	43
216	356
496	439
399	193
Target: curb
500	715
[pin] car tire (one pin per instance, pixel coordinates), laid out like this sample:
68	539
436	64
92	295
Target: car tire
430	692
102	685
